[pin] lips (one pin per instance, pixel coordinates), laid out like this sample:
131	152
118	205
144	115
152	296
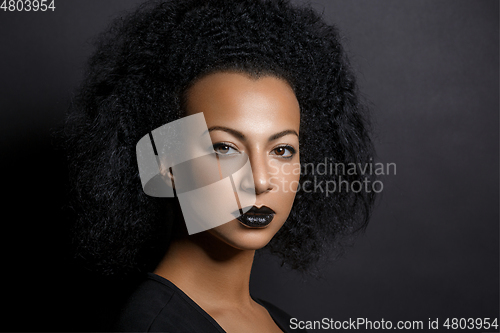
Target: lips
257	217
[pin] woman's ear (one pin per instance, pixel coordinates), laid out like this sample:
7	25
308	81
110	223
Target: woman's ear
168	177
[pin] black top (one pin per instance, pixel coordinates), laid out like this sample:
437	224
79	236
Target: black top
158	305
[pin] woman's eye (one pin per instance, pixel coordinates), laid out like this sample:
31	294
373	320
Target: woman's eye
283	151
224	149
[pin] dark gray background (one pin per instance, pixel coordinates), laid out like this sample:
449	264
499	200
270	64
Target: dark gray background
430	70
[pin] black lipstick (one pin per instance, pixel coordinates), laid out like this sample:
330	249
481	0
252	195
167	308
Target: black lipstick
257	217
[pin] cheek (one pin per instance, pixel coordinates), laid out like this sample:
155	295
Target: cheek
286	185
285	179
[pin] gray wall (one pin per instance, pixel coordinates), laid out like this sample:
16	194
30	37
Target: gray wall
429	70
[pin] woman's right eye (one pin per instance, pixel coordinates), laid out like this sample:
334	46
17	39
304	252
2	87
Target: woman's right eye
225	149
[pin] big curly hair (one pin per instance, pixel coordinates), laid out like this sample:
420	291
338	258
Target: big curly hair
135	82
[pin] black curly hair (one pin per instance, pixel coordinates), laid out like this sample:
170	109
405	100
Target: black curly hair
135	82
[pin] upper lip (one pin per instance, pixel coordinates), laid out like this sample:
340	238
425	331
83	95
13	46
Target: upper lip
262	210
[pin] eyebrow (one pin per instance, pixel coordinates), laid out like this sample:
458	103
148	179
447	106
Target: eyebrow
242	137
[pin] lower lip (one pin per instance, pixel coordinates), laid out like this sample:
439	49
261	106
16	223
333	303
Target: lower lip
256	220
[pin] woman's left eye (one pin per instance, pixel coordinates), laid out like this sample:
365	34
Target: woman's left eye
283	151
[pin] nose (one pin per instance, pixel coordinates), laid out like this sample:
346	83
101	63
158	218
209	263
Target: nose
261	176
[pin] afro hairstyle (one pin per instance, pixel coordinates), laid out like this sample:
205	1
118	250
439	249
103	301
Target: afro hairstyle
135	82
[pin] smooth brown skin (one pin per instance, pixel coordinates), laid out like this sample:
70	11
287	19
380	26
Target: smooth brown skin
213	267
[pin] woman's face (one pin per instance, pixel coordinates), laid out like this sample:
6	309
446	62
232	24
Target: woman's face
261	118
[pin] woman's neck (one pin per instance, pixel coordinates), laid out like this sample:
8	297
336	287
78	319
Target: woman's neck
211	272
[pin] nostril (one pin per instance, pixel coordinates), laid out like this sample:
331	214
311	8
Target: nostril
263	185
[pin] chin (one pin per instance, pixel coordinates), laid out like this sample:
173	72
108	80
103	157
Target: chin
238	236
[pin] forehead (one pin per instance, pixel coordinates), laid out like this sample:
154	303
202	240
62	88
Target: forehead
238	100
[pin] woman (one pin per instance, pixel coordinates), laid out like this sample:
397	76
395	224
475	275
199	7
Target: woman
267	77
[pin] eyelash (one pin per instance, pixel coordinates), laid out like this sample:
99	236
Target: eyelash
225	144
